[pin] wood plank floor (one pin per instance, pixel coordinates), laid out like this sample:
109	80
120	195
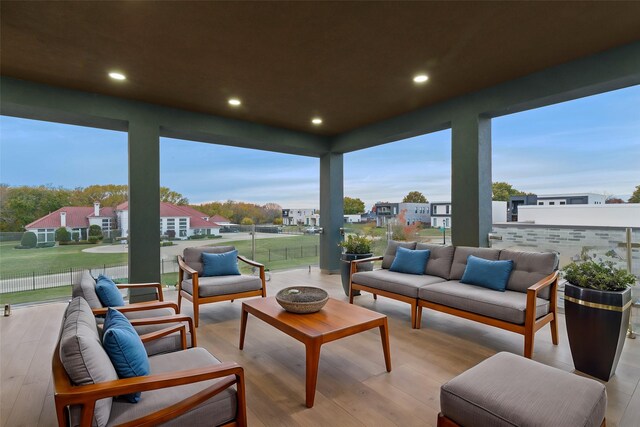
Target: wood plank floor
353	387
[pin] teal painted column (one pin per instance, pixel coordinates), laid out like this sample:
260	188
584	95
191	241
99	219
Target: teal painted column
331	211
144	206
471	180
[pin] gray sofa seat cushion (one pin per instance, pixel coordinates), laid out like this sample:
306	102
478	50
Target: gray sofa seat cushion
223	285
529	268
83	357
509	306
390	252
87	290
397	283
462	253
218	410
509	390
193	256
440	259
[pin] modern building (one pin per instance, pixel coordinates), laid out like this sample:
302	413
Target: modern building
308	217
413	212
175	221
552	200
613	215
441	213
352	219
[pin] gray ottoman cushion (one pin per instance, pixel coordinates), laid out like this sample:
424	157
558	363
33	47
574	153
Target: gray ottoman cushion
223	285
529	268
390	253
397	283
440	259
509	390
461	255
193	256
509	306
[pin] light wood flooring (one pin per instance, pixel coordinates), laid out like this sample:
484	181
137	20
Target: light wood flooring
353	387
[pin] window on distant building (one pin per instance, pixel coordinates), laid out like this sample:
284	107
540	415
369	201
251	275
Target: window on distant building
552	203
106	224
563	203
45	235
434	222
171	224
447	209
540	203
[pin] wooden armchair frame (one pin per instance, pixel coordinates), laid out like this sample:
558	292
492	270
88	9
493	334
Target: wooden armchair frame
196	300
138	306
65	393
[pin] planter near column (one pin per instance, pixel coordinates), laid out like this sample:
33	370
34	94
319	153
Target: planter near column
597	308
355	247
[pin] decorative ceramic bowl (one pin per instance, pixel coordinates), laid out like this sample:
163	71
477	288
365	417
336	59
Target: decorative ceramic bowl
302	299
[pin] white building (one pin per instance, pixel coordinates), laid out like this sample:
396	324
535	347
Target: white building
441	213
613	215
308	217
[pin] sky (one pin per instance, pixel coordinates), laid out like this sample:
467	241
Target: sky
586	145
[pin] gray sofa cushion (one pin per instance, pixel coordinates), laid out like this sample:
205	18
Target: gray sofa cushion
193	256
161	345
223	285
529	268
440	259
83	357
390	253
397	283
462	253
509	390
509	306
218	410
87	290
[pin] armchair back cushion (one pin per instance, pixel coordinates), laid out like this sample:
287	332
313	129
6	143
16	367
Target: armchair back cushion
529	268
440	260
83	357
224	264
87	290
193	256
462	254
390	253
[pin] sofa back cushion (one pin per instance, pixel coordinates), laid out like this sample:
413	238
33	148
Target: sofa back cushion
82	355
410	261
390	253
461	255
193	256
440	260
87	290
529	268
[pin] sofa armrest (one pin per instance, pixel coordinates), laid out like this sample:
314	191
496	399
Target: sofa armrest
139	306
370	259
145	338
157	286
550	280
184	267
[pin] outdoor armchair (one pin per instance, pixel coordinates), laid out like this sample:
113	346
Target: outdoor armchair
204	290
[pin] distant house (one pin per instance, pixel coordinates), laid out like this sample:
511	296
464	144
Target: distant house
552	200
309	217
441	213
413	212
179	221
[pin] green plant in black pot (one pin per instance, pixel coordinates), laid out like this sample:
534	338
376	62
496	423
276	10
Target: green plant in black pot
355	247
597	307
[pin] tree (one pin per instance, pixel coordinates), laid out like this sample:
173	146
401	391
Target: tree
246	221
23	205
635	197
173	197
353	206
414	197
277	221
502	190
613	200
62	235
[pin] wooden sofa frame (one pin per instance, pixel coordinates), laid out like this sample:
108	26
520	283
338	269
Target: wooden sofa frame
66	393
531	324
197	300
138	306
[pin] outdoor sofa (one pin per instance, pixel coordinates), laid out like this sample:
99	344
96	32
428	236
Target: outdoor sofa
527	304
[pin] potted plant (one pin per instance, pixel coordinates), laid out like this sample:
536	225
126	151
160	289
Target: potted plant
597	307
354	247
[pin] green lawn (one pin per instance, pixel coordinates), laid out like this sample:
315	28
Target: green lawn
61	292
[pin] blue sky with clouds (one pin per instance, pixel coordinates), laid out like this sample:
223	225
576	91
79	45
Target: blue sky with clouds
587	145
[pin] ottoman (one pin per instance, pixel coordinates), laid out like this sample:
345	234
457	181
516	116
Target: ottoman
510	390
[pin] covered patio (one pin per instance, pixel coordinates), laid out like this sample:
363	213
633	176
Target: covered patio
373	73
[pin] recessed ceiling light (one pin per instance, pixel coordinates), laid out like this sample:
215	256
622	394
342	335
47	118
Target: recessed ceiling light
316	121
421	78
234	101
117	76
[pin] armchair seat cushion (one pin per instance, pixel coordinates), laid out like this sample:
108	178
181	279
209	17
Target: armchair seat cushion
223	285
509	306
219	409
397	283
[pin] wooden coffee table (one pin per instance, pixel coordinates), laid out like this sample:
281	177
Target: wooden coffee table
336	320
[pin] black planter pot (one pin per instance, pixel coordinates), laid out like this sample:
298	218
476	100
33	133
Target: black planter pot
597	323
345	269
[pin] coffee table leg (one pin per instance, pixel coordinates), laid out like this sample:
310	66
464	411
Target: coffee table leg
384	334
313	359
243	325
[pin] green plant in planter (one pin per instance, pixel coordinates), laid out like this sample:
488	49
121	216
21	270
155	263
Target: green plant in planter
356	245
603	276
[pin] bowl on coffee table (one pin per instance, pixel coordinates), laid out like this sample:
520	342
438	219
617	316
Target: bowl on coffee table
302	299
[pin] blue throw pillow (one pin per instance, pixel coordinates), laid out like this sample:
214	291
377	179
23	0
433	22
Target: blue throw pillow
410	261
488	274
108	293
224	264
125	349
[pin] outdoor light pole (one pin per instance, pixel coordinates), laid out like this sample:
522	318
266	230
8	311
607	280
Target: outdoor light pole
444	234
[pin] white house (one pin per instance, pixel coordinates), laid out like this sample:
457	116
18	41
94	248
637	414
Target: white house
309	217
441	213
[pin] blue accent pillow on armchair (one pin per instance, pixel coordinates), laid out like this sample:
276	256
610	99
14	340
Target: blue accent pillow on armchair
488	274
108	292
224	264
410	261
125	349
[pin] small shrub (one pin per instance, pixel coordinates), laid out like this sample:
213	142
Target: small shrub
29	239
602	276
246	221
356	244
197	236
93	239
62	235
95	231
21	247
166	243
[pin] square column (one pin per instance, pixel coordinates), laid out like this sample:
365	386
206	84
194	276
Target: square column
331	211
144	206
471	180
